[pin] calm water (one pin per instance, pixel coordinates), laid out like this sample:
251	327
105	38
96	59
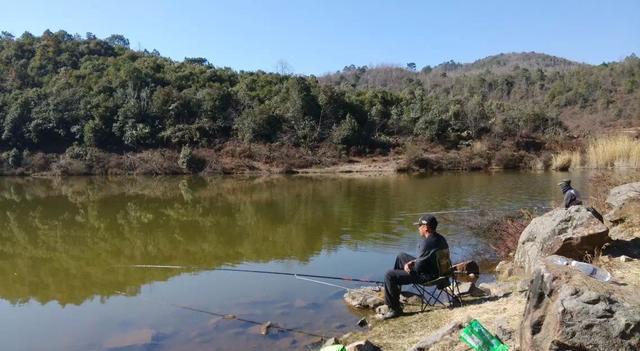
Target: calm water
66	247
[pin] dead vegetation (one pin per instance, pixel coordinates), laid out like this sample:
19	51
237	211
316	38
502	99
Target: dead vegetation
401	333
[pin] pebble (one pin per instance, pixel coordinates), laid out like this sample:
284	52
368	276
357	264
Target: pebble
625	258
362	322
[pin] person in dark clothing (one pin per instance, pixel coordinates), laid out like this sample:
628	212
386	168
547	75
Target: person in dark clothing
571	196
408	269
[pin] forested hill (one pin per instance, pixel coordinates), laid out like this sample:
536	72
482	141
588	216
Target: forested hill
505	63
59	90
588	97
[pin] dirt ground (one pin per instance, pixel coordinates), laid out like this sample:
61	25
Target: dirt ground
358	165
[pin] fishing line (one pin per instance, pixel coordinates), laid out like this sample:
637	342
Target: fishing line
321	282
226	316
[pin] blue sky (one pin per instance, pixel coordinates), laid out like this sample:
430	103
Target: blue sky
316	37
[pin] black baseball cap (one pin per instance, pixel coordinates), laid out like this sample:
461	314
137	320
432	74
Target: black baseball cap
427	219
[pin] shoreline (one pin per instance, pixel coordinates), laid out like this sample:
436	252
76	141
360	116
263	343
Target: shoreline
505	307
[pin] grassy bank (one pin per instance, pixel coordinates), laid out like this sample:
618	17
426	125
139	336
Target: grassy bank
606	152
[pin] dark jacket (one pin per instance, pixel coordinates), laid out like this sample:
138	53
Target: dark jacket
571	196
426	261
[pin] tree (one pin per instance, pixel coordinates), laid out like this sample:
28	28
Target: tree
283	67
200	61
426	69
118	40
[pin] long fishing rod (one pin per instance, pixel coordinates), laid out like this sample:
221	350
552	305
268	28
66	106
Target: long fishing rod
377	282
265	325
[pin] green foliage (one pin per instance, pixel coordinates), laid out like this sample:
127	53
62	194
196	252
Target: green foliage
60	90
185	160
14	158
190	162
348	133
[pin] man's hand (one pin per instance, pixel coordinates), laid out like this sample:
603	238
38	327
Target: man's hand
408	266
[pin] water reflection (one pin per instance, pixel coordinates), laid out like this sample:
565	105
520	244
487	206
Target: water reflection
62	240
65	245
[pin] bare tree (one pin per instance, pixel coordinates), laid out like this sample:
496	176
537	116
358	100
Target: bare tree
283	67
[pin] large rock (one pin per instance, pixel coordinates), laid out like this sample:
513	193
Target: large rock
624	217
572	232
619	195
567	310
363	345
365	297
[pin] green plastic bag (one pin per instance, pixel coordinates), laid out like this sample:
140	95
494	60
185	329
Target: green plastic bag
480	339
334	348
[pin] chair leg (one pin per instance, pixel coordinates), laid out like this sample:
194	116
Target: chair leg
453	294
427	298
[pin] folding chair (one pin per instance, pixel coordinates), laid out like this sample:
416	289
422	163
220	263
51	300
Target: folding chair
445	283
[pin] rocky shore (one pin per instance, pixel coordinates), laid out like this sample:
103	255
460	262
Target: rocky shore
535	303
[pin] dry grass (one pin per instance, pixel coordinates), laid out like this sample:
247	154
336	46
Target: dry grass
565	160
402	333
614	152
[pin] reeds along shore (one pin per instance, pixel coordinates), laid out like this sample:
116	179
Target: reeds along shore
620	151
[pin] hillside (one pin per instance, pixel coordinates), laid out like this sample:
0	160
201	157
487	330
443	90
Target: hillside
504	63
588	99
390	76
63	94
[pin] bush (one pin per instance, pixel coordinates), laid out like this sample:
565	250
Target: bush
508	159
14	158
503	231
186	158
189	162
69	167
347	134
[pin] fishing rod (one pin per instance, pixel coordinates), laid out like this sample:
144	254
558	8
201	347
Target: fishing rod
265	325
295	275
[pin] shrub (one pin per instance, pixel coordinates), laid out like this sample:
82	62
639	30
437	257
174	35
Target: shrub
504	231
189	162
14	158
69	167
508	159
186	158
40	162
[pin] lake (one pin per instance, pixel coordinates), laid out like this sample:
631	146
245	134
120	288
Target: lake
68	247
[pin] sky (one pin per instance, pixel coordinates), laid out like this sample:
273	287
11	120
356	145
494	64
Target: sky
321	36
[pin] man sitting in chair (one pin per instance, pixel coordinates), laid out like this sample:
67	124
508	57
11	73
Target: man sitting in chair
409	269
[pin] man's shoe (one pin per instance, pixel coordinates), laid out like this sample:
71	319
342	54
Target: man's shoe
390	314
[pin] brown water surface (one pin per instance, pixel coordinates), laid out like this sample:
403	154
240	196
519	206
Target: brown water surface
67	247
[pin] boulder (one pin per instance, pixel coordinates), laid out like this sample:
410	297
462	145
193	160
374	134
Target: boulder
504	270
619	195
497	289
365	297
572	232
363	345
567	310
624	217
